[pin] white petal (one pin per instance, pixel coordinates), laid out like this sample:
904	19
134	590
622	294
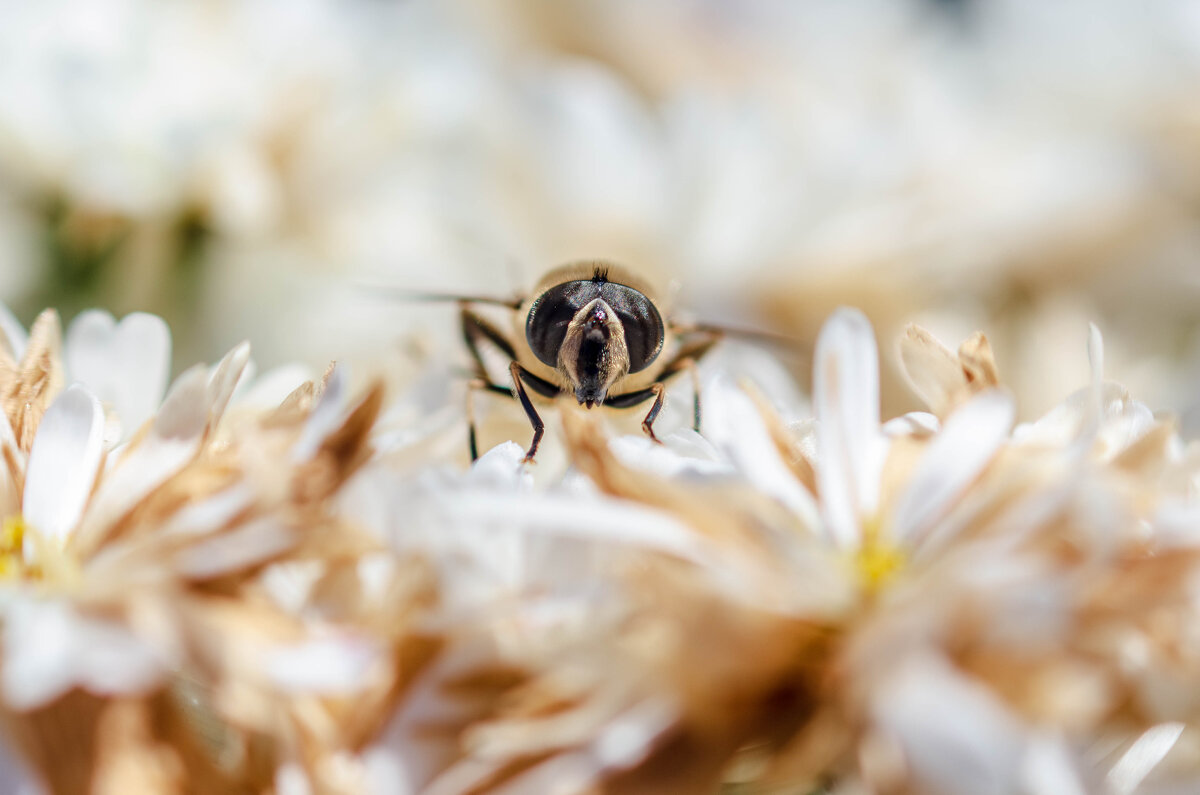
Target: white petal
113	660
289	584
1142	757
63	462
224	380
185	411
12	334
385	772
271	388
957	737
1049	769
850	448
601	519
500	468
210	513
336	665
1094	409
39	660
326	416
51	648
665	459
914	423
967	443
248	545
290	779
734	425
126	364
173	441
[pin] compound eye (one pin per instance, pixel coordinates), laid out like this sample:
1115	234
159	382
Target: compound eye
551	313
642	323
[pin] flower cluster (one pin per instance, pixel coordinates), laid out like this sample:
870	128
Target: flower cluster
231	584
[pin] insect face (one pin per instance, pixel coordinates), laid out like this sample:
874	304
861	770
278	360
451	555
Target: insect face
594	332
591	329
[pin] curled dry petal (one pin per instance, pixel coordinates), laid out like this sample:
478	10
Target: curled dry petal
27	388
325	416
944	379
12	469
343	446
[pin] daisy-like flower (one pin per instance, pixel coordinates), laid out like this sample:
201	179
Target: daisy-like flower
125	364
121	566
861	605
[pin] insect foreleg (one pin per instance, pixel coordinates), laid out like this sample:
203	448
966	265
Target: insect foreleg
539	427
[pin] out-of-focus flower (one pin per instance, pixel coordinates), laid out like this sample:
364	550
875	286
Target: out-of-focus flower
124	364
117	562
293	597
917	596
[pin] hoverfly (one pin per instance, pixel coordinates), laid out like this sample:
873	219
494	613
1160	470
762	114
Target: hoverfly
591	330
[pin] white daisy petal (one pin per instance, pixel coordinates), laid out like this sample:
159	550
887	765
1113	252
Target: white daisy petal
846	402
290	779
173	441
52	648
666	459
63	463
272	387
1094	410
248	545
966	444
1142	757
224	380
325	417
333	665
126	364
956	736
1049	769
501	468
914	423
185	411
38	664
598	519
734	425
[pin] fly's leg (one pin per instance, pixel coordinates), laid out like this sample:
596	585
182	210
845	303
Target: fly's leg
539	427
660	392
473	386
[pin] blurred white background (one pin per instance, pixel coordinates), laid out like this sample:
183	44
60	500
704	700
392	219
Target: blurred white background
242	168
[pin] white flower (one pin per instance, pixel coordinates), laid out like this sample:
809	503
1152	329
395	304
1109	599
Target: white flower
51	647
53	641
851	448
124	364
66	455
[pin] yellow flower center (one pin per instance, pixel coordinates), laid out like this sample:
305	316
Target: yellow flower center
877	560
12	544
